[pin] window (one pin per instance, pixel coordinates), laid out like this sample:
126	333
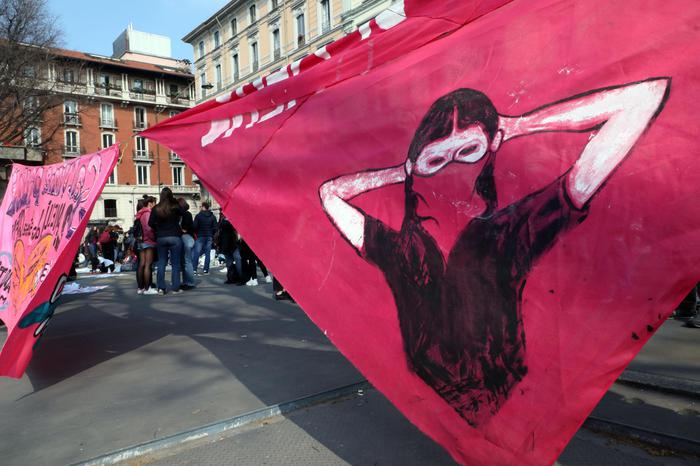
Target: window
217	40
110	208
68	75
174	90
107	140
274	4
236	69
71	146
252	13
254	55
325	16
140	121
218	76
301	30
201	48
107	116
178	176
172	113
277	50
138	86
104	81
234	27
143	174
141	148
30	104
203	82
32	137
112	177
70	112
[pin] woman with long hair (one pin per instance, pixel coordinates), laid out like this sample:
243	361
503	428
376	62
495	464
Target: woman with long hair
165	221
460	313
145	245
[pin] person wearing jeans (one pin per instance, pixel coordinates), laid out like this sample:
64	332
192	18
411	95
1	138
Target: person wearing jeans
205	227
165	221
187	246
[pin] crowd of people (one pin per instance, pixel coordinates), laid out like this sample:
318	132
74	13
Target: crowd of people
165	235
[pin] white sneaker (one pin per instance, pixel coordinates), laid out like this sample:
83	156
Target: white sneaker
252	282
268	279
139	291
224	270
151	291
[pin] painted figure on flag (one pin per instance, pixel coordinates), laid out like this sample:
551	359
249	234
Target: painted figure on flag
460	316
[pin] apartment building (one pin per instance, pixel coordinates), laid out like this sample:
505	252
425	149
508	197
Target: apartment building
250	38
111	99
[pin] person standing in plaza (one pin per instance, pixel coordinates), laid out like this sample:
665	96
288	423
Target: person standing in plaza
108	243
228	244
187	226
165	221
145	240
205	228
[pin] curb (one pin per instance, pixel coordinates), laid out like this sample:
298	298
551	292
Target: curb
661	383
211	430
655	439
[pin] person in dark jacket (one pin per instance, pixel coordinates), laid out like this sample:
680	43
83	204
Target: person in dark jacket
187	226
205	226
108	243
228	244
165	222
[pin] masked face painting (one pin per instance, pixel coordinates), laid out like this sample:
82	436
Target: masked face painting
460	316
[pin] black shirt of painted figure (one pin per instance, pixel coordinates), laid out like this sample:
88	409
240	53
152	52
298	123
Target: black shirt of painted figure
461	321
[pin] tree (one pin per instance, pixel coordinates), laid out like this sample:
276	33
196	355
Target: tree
28	34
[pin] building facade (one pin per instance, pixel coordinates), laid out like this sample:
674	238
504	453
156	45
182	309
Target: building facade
247	39
109	100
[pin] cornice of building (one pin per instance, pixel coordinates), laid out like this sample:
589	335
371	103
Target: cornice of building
213	19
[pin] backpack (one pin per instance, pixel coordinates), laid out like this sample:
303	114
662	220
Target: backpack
137	231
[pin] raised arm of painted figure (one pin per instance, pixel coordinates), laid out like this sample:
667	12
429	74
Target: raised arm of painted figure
336	192
619	114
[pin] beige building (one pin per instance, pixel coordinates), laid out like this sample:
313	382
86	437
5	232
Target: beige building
250	38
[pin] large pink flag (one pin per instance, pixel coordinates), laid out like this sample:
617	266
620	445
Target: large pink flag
42	219
488	206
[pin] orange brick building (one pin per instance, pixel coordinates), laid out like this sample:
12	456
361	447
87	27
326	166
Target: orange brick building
110	100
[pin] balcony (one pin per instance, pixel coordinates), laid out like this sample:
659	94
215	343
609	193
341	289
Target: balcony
174	158
108	89
72	87
108	123
71	119
142	93
184	189
142	155
70	151
178	99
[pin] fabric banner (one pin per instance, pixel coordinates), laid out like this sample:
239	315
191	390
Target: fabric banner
487	206
43	216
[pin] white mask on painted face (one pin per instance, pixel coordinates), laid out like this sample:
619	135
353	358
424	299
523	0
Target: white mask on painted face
467	145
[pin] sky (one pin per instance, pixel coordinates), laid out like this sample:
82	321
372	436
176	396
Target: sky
92	26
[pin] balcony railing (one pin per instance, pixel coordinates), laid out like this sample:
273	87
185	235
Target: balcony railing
143	96
114	90
108	123
139	125
143	155
72	151
175	158
178	99
71	119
